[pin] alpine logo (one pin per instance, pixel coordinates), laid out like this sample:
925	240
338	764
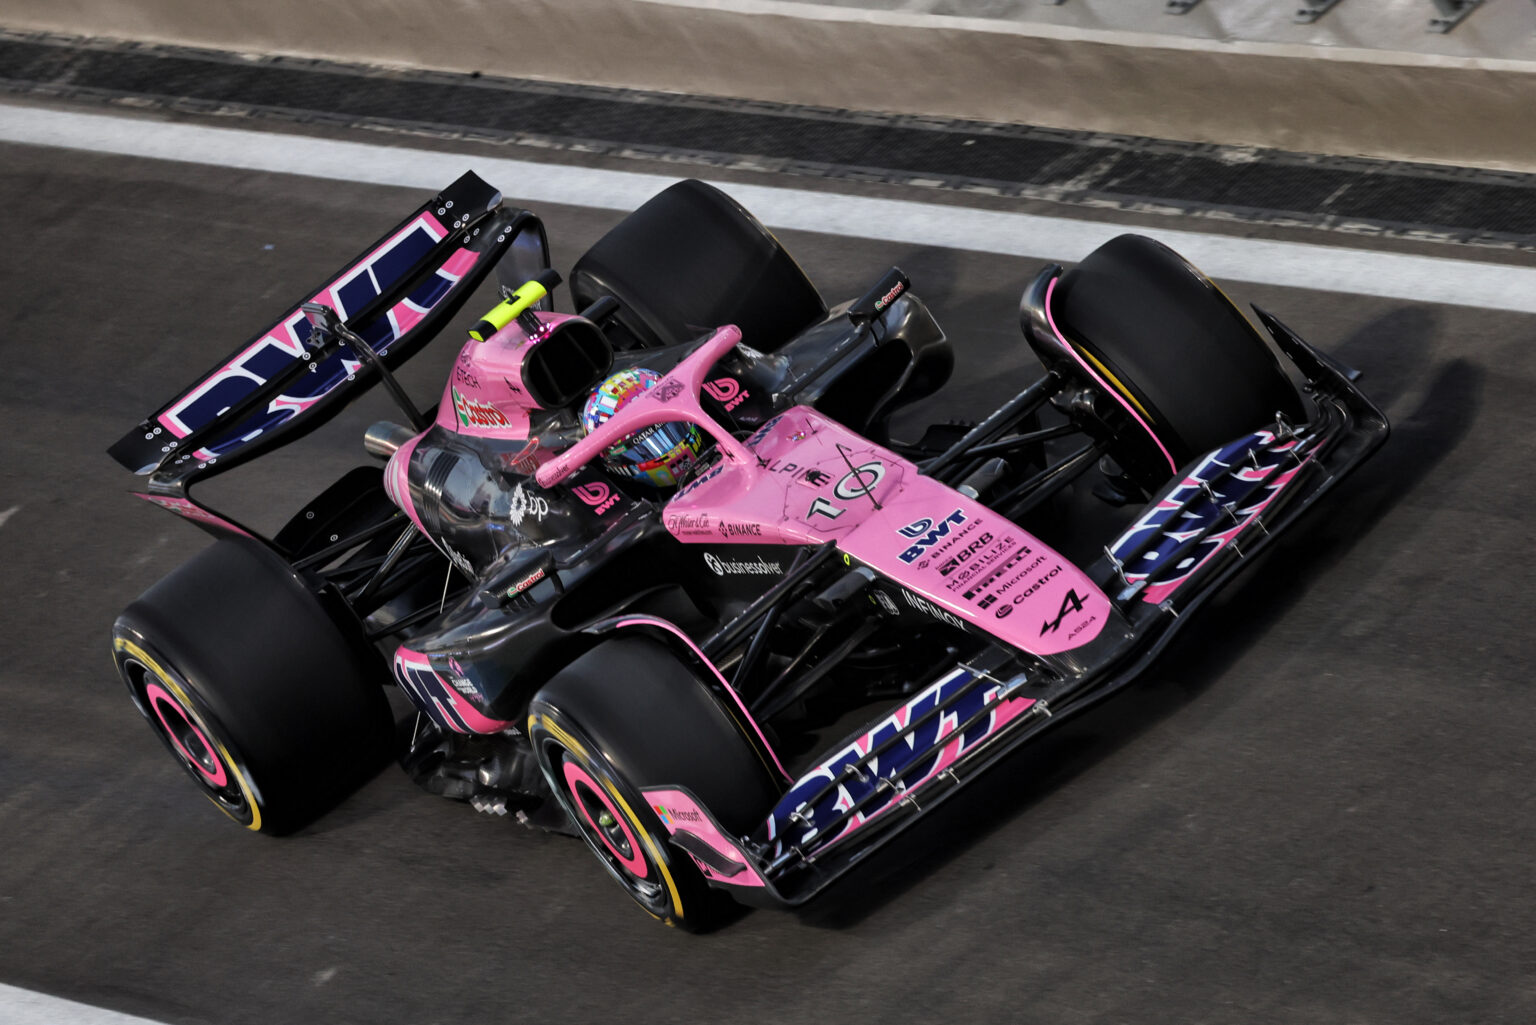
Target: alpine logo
728	392
1073	602
925	534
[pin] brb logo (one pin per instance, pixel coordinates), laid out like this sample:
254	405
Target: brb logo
924	534
728	392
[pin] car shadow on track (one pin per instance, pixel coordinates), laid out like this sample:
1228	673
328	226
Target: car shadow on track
1443	413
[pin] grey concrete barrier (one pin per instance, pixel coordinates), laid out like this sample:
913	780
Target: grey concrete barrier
1315	99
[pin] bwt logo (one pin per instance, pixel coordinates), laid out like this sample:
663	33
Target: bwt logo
728	392
288	342
599	496
925	534
936	742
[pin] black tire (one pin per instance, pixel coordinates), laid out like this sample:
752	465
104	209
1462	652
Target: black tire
1173	345
270	703
689	260
629	715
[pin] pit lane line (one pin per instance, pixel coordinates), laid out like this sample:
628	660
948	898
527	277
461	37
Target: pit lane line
24	1007
1292	264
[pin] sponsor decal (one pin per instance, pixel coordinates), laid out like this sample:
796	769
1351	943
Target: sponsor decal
951	564
1004	612
689	523
1006	585
457	558
667	390
597	495
762	432
924	534
728	392
523	503
809	475
889	297
1188	528
1073	602
464	371
737	567
184	507
525	583
669	815
474	413
522	461
926	606
288	342
1039	583
699	482
887	606
740	529
934	742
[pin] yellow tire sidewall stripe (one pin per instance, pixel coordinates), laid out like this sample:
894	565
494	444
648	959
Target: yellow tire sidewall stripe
574	746
1117	385
138	653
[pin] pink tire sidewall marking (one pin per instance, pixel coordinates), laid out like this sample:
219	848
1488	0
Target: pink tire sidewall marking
158	696
635	864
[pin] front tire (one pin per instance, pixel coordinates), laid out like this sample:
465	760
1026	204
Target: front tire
629	715
271	704
1174	349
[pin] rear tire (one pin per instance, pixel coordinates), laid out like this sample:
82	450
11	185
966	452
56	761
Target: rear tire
689	260
270	703
1173	347
629	715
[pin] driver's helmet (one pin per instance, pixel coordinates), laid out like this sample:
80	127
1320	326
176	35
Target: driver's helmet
658	455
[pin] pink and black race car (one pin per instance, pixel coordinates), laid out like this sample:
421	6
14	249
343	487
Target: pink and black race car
641	567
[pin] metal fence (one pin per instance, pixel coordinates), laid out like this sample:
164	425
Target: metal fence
1444	14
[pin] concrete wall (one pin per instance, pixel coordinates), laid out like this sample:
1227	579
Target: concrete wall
1314	99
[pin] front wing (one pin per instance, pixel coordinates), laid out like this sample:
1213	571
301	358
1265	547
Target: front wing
1211	520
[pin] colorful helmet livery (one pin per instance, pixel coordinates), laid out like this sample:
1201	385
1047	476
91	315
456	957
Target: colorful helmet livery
658	454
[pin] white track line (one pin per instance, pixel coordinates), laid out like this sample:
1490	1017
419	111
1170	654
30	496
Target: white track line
24	1007
8	514
1296	265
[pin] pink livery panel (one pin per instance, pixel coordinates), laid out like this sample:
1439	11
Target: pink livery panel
692	829
817	481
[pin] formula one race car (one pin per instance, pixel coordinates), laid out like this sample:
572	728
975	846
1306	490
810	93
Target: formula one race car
657	574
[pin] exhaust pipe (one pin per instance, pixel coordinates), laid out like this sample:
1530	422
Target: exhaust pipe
383	439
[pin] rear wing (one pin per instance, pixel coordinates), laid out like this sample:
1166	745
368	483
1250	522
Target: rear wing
397	294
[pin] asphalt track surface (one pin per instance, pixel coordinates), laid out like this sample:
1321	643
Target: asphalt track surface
1316	807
